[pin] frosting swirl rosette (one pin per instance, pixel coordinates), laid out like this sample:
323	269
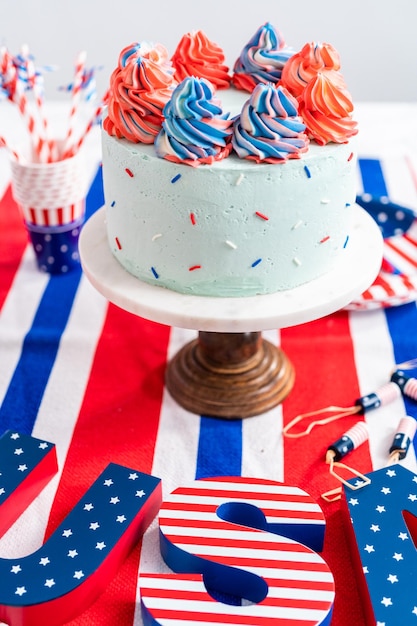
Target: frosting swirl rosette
140	87
303	66
326	106
195	129
269	129
197	56
262	59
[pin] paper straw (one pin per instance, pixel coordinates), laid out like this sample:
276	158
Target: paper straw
8	73
4	144
47	148
76	92
39	144
96	115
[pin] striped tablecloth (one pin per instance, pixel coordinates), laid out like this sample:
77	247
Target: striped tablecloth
88	376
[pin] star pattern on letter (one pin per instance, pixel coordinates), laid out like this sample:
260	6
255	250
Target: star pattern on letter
91	532
392	578
20	591
386	542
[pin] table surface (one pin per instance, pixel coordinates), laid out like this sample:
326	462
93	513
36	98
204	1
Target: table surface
87	375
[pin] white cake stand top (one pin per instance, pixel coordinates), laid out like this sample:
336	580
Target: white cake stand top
354	272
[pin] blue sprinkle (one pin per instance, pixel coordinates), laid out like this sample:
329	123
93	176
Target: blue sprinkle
177	177
255	263
347	203
307	171
154	272
346	241
113	203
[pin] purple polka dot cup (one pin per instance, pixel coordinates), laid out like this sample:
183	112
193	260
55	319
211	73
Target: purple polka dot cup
51	199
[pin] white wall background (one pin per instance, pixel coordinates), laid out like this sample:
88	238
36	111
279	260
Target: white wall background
376	39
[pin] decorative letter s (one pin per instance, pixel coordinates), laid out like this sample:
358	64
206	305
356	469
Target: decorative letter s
243	537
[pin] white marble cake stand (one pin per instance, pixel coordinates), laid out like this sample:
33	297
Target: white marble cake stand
230	371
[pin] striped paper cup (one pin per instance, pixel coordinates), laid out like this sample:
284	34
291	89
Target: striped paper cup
51	199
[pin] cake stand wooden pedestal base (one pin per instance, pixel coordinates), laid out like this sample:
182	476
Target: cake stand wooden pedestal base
230	371
229	375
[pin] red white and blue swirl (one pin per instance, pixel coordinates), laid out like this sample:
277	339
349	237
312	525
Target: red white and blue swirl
269	128
195	129
262	59
133	51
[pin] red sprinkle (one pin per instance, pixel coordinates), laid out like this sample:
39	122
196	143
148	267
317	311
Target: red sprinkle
192	218
262	216
325	239
194	267
350	156
128	171
118	244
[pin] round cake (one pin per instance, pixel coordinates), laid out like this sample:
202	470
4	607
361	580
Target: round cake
228	185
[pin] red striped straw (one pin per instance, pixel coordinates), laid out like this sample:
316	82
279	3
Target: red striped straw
4	144
9	73
45	154
96	115
38	143
16	94
75	99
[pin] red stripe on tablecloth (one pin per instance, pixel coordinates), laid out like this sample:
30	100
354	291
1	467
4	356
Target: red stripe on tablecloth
325	345
13	240
117	423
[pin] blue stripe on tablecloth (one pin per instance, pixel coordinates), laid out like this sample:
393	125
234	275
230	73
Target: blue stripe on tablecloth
40	346
373	177
402	326
219	448
401	320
